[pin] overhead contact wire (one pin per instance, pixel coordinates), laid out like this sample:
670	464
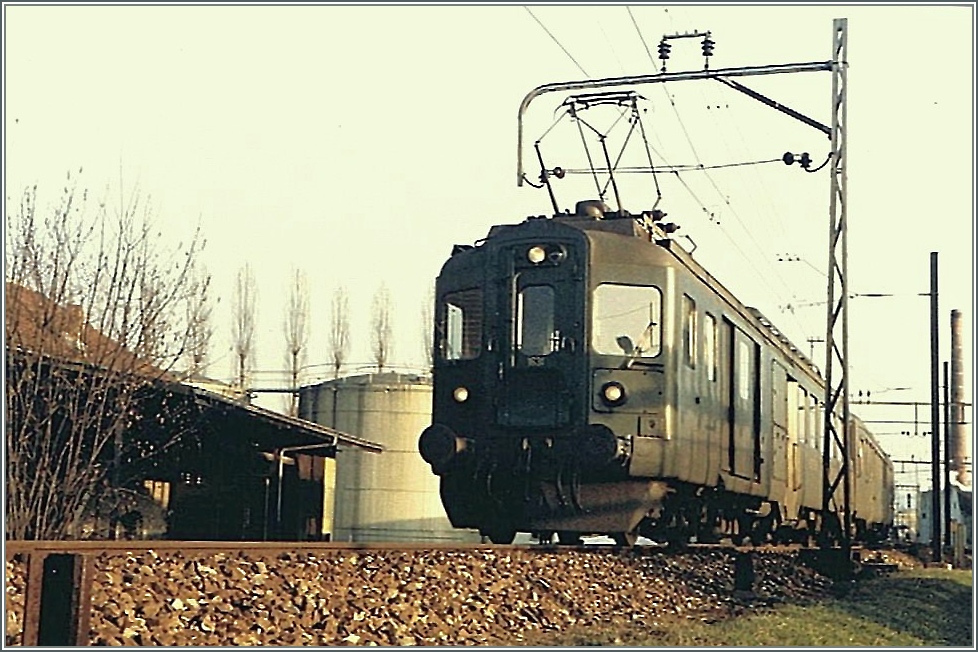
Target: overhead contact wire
559	44
725	200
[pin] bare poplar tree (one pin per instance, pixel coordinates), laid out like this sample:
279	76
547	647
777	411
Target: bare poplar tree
96	316
339	331
383	336
296	332
200	330
428	328
243	308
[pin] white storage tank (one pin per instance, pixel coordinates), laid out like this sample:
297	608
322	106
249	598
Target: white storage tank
391	496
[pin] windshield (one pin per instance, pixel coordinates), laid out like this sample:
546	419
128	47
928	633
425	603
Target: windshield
627	320
460	328
535	320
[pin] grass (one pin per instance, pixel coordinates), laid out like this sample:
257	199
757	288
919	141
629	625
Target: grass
931	607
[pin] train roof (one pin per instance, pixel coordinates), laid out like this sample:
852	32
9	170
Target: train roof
644	226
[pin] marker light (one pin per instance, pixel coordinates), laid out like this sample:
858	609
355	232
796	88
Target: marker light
536	255
461	394
613	394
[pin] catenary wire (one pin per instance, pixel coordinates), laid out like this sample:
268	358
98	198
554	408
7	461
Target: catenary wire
559	44
726	200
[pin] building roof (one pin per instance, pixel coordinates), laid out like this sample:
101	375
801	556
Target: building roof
287	431
62	337
34	322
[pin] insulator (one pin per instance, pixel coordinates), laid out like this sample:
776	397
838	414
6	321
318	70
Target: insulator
664	50
788	158
805	160
708	45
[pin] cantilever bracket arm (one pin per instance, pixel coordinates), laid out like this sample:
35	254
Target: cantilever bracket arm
748	71
737	86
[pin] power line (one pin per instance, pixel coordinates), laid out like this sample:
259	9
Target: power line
685	167
559	44
774	272
635	23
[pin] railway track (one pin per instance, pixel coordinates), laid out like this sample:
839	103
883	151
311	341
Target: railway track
274	593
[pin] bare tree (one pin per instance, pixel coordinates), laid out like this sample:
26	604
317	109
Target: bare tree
96	317
339	332
381	330
243	311
200	330
296	332
428	328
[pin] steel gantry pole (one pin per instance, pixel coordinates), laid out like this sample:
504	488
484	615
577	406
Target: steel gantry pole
837	429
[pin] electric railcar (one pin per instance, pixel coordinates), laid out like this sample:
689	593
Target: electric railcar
590	377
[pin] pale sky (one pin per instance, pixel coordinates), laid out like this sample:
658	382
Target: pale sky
360	143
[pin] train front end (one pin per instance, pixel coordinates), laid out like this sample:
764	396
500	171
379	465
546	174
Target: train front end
515	438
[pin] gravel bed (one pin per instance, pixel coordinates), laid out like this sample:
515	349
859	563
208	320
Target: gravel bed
489	596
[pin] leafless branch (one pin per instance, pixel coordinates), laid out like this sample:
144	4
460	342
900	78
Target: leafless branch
296	332
381	330
243	308
339	332
96	313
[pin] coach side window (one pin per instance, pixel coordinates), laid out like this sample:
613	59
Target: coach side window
627	320
460	326
803	425
818	424
710	345
689	330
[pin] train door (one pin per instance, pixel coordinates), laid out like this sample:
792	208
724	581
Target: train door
787	417
744	412
779	429
797	401
543	352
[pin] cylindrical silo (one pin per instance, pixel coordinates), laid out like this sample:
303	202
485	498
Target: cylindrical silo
391	496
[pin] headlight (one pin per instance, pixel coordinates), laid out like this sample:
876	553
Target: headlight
461	394
613	394
536	255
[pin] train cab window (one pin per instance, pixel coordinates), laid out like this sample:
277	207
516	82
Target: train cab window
689	330
460	325
627	320
710	345
535	320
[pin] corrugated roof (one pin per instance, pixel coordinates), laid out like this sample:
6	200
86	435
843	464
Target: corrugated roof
328	435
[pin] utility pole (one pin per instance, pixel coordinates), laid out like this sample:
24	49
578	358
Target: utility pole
935	410
947	455
811	346
836	402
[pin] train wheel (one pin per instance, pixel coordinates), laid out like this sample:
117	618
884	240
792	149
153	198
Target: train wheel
625	539
500	534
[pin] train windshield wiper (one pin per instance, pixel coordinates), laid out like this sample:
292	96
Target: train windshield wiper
632	351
